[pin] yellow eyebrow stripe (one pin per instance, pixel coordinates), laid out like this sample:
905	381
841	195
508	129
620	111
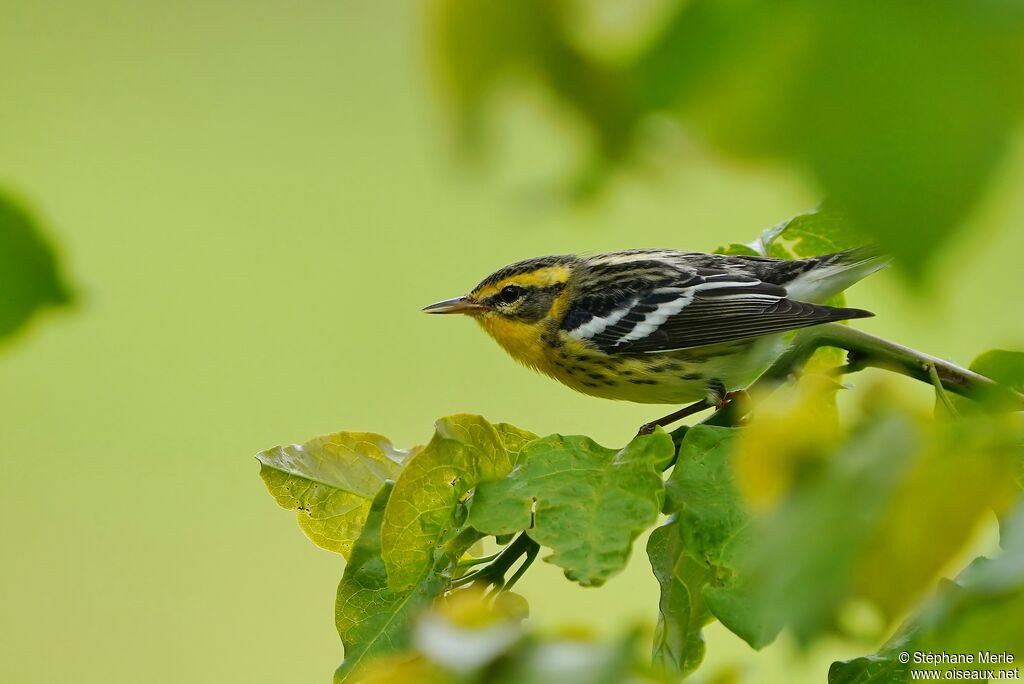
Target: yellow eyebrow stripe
542	277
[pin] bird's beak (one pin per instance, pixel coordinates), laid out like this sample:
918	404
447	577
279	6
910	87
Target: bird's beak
462	305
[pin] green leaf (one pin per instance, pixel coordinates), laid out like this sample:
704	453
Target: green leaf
372	618
464	452
514	439
822	231
585	502
711	514
737	249
678	640
330	481
30	278
982	611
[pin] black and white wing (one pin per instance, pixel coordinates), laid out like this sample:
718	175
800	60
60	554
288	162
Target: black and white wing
699	309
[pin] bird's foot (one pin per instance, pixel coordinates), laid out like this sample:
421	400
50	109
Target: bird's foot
736	395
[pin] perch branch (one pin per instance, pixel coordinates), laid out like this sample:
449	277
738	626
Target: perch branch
868	350
865	350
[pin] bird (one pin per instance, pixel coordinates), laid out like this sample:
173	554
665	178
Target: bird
659	326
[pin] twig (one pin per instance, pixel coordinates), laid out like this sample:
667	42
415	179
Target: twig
867	350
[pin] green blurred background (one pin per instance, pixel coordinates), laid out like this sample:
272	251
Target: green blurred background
253	201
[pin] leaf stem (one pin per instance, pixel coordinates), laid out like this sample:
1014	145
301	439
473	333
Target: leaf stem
470	562
531	555
494	574
940	392
467	578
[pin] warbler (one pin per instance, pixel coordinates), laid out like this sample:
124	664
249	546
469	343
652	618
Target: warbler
658	326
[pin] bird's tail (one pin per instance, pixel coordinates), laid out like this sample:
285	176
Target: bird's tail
830	274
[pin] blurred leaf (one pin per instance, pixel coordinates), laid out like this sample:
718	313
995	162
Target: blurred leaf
794	428
572	661
465	451
863	95
29	274
679	639
483	44
468	641
372	618
1004	367
845	522
1007	369
480	43
401	668
852	527
330	481
467	632
900	111
711	515
585	502
982	611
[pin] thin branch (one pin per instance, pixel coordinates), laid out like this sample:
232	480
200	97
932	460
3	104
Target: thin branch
867	350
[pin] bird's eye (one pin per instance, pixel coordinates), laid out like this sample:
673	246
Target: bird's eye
510	293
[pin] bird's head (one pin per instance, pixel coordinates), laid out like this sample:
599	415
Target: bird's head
514	303
526	291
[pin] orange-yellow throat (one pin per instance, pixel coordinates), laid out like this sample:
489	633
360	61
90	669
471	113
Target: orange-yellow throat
521	340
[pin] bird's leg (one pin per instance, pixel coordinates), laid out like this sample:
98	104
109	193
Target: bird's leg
718	398
697	407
